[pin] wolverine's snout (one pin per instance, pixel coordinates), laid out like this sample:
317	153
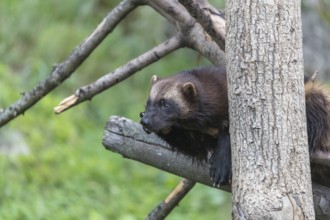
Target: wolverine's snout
145	122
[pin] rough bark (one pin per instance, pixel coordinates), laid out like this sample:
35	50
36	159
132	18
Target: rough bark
267	111
123	136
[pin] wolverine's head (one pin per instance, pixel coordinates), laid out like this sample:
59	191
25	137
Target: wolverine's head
169	101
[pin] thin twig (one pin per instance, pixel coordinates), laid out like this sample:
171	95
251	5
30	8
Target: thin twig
123	72
172	200
62	71
313	77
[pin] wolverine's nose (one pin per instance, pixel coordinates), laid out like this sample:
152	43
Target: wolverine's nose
145	122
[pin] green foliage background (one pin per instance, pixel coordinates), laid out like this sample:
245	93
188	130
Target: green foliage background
68	173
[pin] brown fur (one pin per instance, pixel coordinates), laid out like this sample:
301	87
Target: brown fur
318	127
318	100
189	110
194	99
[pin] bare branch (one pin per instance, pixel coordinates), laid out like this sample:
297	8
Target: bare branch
122	131
123	136
173	199
192	32
123	72
187	25
62	71
211	19
127	138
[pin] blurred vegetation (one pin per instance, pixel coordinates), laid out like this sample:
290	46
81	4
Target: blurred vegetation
322	7
68	174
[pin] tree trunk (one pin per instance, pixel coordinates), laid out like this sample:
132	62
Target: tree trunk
271	169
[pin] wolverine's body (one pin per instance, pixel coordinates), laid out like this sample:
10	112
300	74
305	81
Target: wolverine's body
189	110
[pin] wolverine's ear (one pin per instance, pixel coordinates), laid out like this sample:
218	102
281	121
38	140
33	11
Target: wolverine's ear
189	89
154	79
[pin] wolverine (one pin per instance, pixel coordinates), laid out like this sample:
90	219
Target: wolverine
189	110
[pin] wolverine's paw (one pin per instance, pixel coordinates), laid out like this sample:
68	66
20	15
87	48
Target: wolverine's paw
220	161
220	172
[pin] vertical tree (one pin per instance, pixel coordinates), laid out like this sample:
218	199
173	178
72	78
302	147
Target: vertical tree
271	172
271	166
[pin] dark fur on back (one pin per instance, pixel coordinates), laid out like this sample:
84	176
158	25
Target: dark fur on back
318	117
318	127
211	104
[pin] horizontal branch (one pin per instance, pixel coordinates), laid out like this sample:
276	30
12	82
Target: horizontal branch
121	73
127	138
67	67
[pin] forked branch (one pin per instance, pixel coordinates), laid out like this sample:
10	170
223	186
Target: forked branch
193	33
211	19
62	71
190	34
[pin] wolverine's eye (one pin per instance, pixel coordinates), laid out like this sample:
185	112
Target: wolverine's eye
163	103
